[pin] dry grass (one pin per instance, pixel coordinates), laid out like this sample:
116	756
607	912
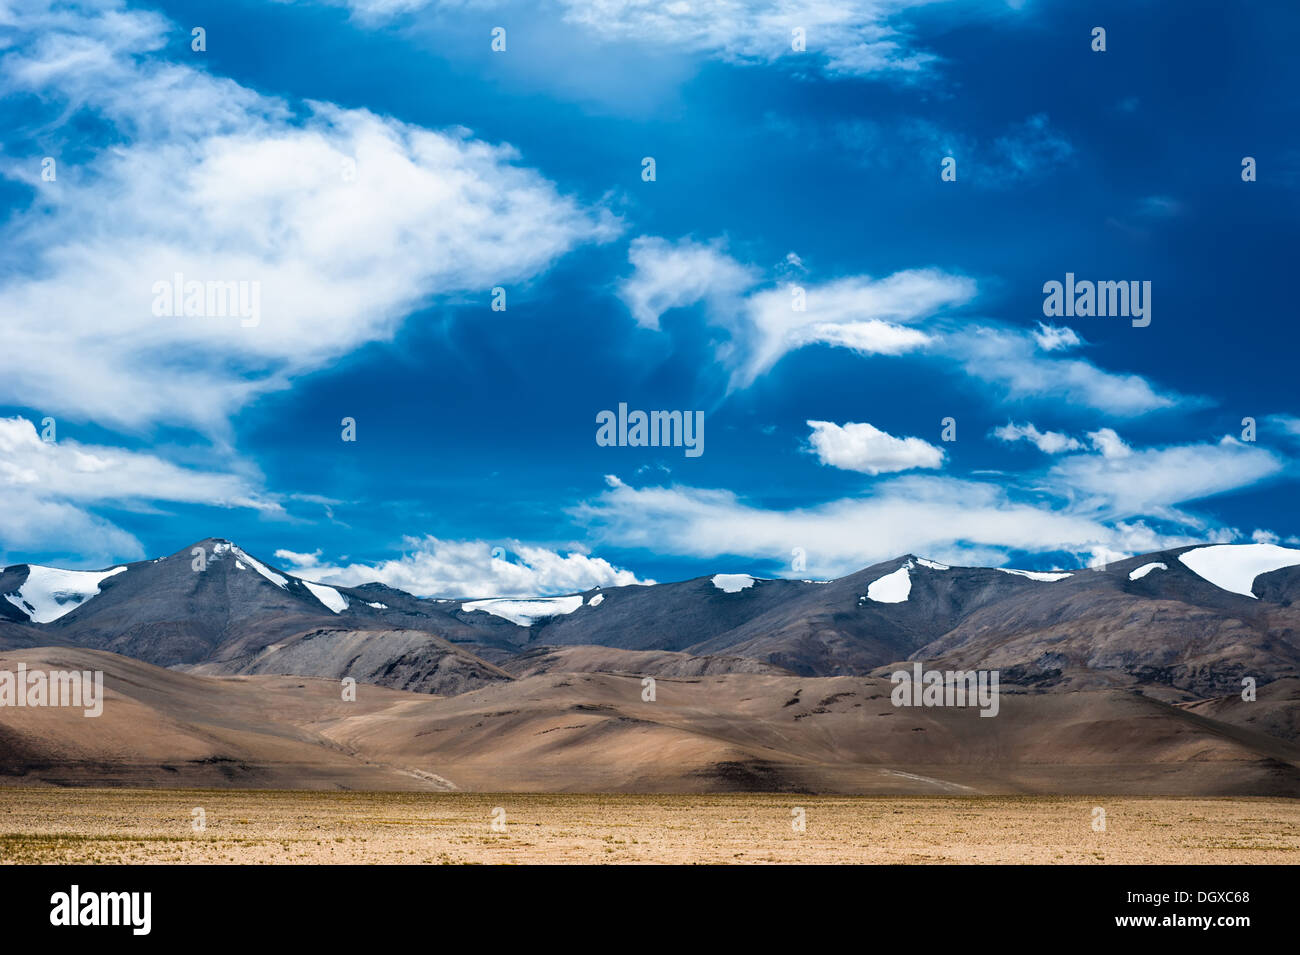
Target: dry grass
152	826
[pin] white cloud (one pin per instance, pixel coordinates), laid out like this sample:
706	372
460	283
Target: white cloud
1289	425
1109	443
46	490
442	568
219	183
856	312
671	275
844	37
951	520
1122	481
872	317
1049	442
1101	505
1056	337
864	447
859	312
1009	360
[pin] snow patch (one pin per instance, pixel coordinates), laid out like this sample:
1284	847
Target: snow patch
1037	574
892	588
377	605
328	596
48	593
221	548
732	583
1145	569
596	600
267	572
932	564
525	613
1234	567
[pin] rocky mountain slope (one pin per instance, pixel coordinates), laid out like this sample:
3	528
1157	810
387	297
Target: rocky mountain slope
1193	621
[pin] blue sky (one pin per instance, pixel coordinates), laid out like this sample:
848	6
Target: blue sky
375	169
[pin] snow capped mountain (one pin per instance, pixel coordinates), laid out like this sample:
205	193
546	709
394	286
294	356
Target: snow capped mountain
221	548
1194	617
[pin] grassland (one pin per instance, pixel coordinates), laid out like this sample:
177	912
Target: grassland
154	826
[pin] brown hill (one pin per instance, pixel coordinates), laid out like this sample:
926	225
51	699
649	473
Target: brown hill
594	732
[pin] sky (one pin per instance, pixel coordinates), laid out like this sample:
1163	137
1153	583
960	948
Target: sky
353	283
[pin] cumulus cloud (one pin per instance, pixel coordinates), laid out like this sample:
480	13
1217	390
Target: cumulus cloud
1049	442
345	220
470	568
864	447
47	490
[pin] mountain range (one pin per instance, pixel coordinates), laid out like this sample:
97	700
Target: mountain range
1195	620
223	670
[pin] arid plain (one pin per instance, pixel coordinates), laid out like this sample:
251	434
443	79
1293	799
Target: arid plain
155	826
577	767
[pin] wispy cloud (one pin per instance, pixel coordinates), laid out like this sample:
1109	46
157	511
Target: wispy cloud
949	519
1049	442
48	490
906	312
669	275
1119	481
841	38
1098	504
1025	150
1011	363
